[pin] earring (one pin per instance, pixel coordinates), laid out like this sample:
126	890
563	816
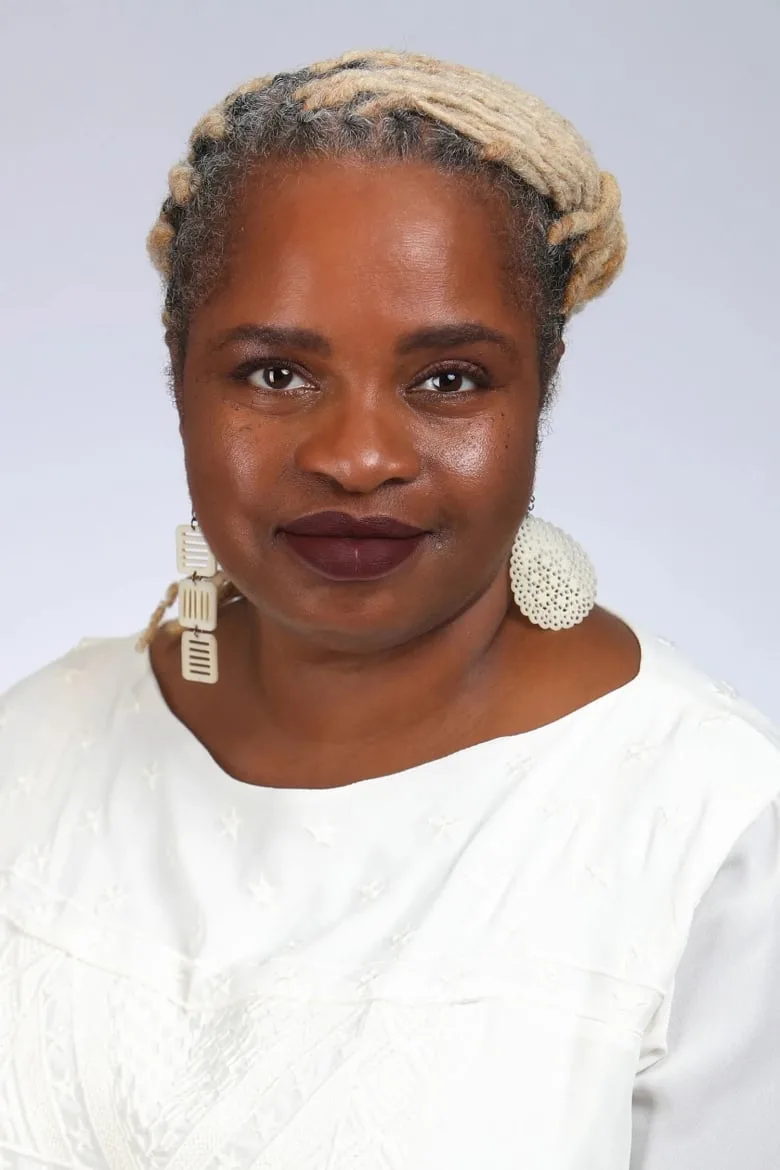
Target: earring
553	580
197	604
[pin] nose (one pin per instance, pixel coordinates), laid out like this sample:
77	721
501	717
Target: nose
360	445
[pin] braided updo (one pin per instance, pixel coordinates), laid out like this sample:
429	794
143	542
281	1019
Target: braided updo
566	232
383	104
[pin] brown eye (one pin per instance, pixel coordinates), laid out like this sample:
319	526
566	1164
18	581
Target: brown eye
276	378
450	382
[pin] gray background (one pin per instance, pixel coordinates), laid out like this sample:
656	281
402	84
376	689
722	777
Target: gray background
662	458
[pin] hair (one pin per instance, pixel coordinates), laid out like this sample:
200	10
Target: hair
566	242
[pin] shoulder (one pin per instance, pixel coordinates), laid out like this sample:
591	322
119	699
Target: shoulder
674	716
71	696
696	747
92	664
703	711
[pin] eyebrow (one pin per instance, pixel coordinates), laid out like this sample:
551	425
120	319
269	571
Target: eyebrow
277	335
460	333
428	337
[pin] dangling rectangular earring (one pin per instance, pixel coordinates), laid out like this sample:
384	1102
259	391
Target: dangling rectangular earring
198	603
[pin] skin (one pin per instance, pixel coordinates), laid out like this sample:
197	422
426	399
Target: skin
326	683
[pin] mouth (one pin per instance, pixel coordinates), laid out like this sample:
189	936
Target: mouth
351	548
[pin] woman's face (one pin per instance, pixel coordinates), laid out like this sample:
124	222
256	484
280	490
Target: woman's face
364	356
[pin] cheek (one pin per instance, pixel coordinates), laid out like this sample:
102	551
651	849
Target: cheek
490	468
229	455
232	467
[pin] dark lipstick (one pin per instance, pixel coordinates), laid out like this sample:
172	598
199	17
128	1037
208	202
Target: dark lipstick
352	548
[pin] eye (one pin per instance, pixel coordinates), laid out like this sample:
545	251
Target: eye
453	381
277	377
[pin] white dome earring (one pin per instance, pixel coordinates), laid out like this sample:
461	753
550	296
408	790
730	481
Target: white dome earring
553	579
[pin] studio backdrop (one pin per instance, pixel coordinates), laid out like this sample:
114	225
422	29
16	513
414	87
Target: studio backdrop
662	454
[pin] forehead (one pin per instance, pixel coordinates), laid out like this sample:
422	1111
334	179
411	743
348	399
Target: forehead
321	237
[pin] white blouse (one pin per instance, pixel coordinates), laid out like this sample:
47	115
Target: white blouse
558	950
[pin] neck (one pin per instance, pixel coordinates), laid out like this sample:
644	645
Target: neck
289	688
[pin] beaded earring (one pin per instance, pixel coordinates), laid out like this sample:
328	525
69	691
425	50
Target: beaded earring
553	580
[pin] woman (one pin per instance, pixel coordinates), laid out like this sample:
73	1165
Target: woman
445	866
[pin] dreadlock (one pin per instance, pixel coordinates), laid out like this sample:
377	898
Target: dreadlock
564	213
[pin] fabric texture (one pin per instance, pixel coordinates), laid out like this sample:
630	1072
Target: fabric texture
713	1103
479	961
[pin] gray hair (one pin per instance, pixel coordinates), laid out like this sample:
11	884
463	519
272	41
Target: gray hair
566	229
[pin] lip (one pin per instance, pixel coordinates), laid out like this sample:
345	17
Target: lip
355	527
349	548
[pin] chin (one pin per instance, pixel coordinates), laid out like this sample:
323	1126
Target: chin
358	624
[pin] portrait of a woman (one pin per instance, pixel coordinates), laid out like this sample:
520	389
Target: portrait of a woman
390	848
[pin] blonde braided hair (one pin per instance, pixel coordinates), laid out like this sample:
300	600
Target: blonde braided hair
384	103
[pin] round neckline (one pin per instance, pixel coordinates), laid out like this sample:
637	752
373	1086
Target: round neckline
502	749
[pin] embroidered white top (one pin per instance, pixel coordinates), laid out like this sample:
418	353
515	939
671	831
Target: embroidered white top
478	962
